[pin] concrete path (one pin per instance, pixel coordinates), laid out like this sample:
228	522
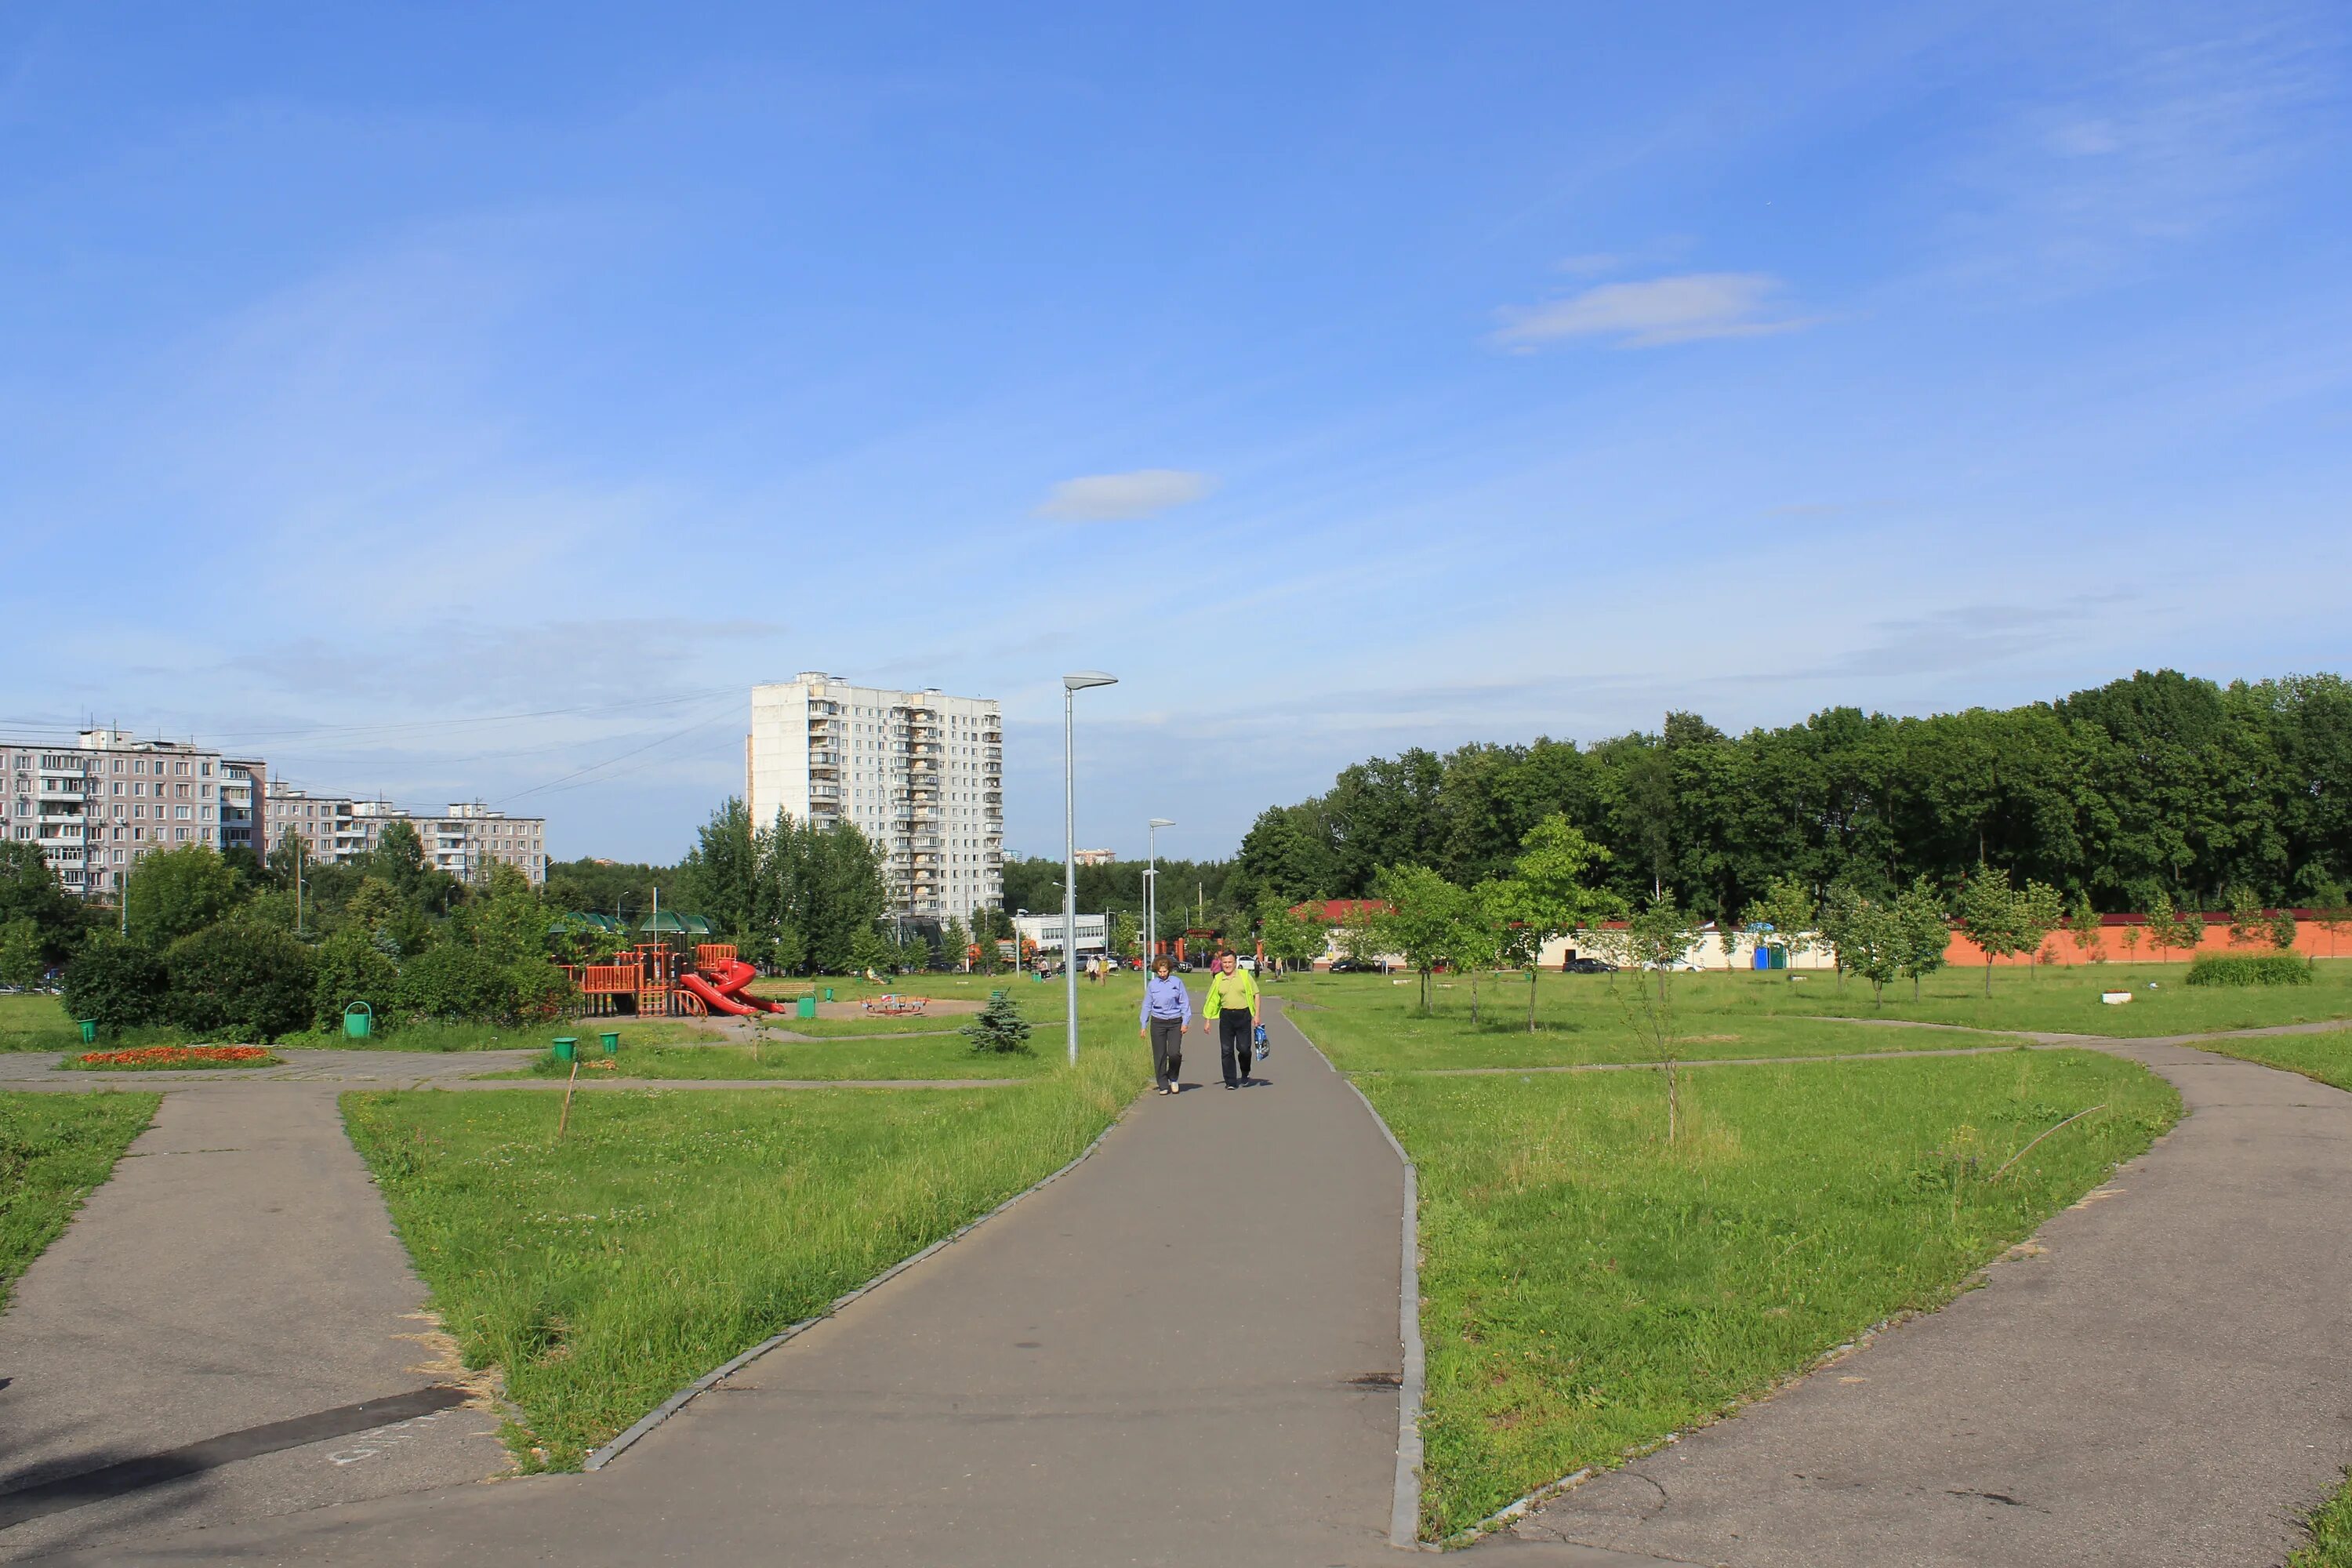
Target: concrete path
237	1271
2162	1380
1184	1353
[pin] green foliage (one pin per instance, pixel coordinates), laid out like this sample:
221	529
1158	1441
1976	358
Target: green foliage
352	966
231	979
2331	1533
1424	918
1866	936
29	890
1922	932
2248	969
456	984
1291	939
2004	922
1788	907
2282	931
1000	1028
177	892
2179	932
121	984
21	962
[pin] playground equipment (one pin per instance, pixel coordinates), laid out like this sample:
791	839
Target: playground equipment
897	1006
655	979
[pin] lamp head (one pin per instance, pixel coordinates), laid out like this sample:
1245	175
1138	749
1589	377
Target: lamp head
1087	678
1163	821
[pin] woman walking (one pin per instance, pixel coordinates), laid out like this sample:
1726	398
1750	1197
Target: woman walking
1167	1014
1231	1005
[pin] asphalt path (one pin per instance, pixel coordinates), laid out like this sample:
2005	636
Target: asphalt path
2159	1379
237	1271
1185	1352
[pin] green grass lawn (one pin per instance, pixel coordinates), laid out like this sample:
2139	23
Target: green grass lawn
1588	1289
670	1232
2326	1056
930	1058
2054	1000
54	1149
2331	1534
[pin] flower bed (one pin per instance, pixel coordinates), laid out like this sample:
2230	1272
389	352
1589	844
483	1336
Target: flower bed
171	1058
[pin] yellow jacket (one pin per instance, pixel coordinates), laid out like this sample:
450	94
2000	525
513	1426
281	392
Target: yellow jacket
1238	989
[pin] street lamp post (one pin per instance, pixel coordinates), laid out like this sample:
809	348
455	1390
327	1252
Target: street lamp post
1151	888
1017	944
1071	686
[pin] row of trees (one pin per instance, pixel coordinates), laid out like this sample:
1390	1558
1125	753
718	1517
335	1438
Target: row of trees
792	895
2156	786
225	944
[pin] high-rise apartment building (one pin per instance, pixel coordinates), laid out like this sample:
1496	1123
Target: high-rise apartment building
465	842
918	773
98	807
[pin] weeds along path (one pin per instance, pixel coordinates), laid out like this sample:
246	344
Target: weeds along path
237	1272
2157	1379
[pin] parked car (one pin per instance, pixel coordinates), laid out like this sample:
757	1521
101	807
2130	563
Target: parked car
1583	965
1183	966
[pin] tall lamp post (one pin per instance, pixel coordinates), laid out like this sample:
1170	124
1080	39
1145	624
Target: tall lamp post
1152	888
1071	686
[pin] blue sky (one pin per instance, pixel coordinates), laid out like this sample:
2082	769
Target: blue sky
458	401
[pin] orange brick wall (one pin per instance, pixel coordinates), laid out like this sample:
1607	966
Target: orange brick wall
2311	939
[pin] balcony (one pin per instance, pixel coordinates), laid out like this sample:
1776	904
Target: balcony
825	792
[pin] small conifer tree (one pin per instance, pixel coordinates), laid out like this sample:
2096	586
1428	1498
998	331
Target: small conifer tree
1000	1028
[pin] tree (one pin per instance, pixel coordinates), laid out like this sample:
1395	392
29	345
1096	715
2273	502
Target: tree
351	967
252	983
956	941
1548	895
177	892
1870	938
2281	931
2174	930
1656	940
1290	937
29	890
120	984
21	964
2082	920
2248	923
1788	908
1924	931
1000	1029
2004	922
1423	913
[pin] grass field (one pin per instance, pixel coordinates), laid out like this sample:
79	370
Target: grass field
55	1148
670	1232
1588	1289
2327	1057
930	1058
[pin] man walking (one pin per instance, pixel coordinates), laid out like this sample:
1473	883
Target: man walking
1167	1014
1231	1008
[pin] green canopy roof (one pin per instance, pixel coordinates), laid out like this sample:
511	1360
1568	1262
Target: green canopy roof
669	920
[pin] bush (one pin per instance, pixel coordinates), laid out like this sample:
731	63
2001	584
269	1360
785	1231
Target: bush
244	980
352	968
458	984
542	991
120	984
1000	1028
2248	969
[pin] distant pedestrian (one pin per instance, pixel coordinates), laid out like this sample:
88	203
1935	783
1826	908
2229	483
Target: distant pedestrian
1232	1003
1167	1014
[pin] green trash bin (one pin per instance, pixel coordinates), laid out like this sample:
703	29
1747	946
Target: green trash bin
805	1008
89	1030
567	1048
359	1021
612	1038
828	993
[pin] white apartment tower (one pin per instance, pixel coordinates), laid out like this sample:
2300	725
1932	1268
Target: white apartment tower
919	774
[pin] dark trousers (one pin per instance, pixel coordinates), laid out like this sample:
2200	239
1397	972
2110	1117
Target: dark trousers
1233	1044
1167	1051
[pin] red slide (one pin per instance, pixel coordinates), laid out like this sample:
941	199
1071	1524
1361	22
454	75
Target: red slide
725	993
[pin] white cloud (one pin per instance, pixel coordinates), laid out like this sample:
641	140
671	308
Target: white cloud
1677	309
1108	498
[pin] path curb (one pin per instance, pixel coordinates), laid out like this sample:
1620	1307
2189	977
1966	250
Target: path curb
1405	1506
598	1458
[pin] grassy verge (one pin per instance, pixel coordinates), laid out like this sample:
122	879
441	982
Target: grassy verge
55	1148
1589	1290
2057	1000
947	1057
670	1232
2324	1056
2331	1534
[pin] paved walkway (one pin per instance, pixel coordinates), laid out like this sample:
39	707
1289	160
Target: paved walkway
2164	1384
237	1271
1183	1354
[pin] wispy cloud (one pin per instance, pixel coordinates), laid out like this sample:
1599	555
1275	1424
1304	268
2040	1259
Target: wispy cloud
1678	310
1110	498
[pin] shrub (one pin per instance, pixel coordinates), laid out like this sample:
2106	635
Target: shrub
2248	969
352	968
456	984
542	990
120	984
240	979
1000	1028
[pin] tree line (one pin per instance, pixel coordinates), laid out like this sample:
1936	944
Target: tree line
2158	786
